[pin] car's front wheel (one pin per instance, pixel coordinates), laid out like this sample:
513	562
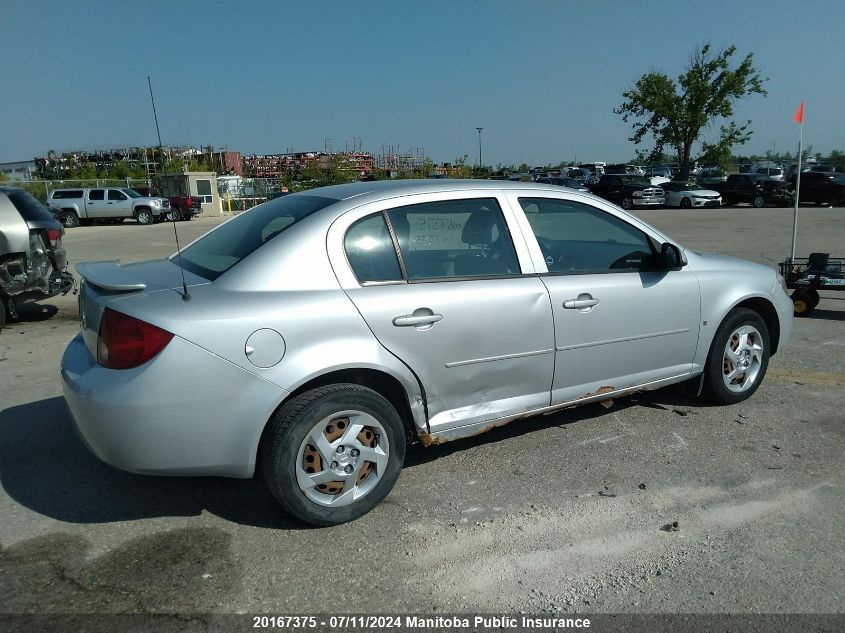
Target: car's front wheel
686	203
332	454
144	216
738	357
758	202
627	204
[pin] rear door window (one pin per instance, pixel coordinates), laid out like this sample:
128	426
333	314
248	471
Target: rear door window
95	194
454	239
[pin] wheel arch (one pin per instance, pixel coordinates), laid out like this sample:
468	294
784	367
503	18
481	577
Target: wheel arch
382	382
768	313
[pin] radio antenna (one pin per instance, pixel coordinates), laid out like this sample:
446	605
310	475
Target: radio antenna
185	295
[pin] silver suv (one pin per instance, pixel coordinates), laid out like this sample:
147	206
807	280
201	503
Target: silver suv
324	330
32	258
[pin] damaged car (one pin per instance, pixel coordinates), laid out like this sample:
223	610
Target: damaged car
32	259
313	337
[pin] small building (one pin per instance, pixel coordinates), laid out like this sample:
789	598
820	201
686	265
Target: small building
201	184
20	171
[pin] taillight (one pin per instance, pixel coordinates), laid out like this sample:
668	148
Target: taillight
53	235
125	342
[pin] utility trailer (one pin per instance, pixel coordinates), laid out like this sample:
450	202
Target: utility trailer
807	275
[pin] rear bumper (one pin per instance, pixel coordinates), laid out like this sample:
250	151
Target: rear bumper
185	412
648	202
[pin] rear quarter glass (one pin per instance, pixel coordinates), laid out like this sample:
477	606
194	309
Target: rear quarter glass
221	249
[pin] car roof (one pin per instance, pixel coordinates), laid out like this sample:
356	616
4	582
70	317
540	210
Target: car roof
351	195
10	189
381	189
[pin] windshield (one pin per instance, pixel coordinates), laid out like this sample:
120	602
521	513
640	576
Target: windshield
224	247
131	193
838	178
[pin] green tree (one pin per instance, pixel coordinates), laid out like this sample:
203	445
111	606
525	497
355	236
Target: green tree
460	169
677	112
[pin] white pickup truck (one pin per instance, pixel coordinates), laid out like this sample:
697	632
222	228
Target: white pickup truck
80	206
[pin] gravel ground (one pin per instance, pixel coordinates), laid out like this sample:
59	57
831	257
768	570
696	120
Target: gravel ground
573	512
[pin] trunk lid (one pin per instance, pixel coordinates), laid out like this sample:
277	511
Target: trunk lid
106	283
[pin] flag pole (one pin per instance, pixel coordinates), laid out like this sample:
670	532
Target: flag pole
797	186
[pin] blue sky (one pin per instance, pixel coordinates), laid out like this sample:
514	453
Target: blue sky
541	78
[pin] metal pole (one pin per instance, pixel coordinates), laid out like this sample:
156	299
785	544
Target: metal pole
479	149
797	192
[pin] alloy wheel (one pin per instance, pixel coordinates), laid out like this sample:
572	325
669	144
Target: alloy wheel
742	359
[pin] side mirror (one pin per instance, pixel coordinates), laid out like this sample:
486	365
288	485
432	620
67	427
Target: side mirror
671	257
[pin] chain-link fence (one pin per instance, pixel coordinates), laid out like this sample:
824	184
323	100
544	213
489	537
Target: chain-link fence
42	188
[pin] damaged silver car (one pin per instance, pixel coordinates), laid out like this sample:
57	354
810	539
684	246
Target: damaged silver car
315	336
32	258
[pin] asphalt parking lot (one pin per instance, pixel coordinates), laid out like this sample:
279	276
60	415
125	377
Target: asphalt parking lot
560	513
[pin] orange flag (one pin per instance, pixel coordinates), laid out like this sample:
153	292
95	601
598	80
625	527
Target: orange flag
799	114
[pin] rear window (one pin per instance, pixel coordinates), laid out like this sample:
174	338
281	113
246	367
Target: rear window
217	252
30	209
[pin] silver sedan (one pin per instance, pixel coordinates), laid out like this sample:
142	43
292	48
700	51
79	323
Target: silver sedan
317	335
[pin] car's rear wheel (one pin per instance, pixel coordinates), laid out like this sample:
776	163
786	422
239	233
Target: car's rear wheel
738	357
173	215
144	216
69	219
686	203
758	202
627	204
333	453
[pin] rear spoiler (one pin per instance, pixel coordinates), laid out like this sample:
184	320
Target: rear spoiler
109	275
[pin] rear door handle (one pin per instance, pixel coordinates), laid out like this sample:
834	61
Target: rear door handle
584	301
407	320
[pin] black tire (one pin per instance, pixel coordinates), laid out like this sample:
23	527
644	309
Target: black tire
173	215
3	314
758	202
804	302
291	424
69	219
144	216
686	203
627	204
714	385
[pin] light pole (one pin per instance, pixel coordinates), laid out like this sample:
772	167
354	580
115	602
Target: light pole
479	149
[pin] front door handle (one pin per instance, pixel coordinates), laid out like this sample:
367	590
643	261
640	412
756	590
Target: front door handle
584	302
416	320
